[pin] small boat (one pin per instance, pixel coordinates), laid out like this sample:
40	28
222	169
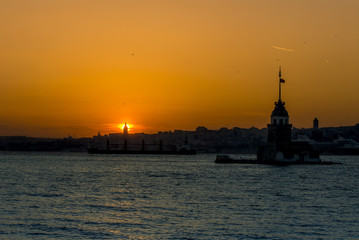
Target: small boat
224	158
156	152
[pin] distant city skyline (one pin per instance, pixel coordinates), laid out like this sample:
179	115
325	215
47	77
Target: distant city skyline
79	131
79	67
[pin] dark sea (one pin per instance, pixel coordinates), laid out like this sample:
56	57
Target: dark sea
82	196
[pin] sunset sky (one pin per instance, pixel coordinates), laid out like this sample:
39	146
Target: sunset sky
75	67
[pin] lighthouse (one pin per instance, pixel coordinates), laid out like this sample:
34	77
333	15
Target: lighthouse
279	129
280	148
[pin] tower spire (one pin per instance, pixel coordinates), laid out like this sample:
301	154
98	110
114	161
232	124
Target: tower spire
280	86
281	80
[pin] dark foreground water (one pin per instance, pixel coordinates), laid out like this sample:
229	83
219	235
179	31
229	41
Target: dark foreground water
80	196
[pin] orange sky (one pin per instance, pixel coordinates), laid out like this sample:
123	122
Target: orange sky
80	66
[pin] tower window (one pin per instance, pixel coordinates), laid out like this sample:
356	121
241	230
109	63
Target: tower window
275	121
280	121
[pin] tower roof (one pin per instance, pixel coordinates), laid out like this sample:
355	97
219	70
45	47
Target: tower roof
279	110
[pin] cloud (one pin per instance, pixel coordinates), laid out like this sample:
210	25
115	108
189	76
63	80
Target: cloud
283	49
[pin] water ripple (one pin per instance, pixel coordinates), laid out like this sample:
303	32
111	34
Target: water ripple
80	196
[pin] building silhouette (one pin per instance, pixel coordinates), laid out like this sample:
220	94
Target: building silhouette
125	129
280	147
315	123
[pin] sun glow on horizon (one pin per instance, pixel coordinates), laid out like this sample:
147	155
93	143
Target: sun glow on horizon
122	126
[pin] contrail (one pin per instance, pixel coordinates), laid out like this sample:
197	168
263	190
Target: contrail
284	49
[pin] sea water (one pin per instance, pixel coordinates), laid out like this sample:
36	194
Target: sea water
82	196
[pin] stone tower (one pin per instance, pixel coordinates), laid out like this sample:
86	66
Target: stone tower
280	149
279	130
125	129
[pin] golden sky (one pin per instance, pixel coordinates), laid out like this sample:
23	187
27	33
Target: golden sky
80	66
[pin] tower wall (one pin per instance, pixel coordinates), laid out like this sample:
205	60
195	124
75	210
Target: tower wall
279	135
